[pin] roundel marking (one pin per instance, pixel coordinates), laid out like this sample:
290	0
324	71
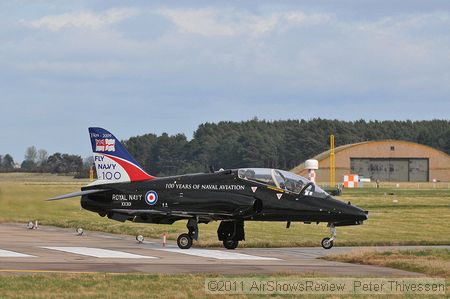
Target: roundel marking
151	197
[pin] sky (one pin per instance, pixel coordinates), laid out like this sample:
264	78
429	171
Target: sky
136	67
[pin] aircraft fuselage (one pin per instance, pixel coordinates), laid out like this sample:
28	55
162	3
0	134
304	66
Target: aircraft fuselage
216	196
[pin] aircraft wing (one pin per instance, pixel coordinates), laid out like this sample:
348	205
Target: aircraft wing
79	193
181	214
138	212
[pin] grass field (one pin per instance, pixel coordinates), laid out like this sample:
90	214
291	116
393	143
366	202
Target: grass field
398	216
433	262
108	285
102	286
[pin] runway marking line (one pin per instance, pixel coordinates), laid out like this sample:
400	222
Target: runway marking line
45	271
62	271
9	253
217	254
100	253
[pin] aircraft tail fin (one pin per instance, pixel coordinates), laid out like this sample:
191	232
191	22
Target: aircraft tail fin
112	161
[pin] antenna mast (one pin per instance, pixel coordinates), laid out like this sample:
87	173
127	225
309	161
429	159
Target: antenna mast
332	163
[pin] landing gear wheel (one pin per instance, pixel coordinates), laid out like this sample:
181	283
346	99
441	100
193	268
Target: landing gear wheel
327	243
184	241
230	244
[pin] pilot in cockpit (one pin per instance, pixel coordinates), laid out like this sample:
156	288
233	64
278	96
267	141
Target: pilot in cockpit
249	174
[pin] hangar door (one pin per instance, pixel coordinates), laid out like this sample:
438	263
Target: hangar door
391	169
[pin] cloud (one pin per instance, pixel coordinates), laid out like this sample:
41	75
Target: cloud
95	69
232	61
88	20
407	22
211	22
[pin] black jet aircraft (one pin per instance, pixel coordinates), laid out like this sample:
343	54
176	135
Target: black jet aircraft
124	191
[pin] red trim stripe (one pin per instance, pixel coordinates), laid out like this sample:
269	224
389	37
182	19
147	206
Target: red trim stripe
134	172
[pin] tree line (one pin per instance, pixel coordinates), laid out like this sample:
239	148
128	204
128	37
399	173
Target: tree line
254	143
7	163
277	144
40	161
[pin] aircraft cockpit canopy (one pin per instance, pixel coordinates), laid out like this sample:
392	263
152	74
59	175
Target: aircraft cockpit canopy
278	178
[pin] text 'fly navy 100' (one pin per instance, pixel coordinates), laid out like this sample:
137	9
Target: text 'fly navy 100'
124	191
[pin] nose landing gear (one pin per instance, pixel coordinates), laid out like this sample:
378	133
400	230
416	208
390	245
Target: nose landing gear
327	243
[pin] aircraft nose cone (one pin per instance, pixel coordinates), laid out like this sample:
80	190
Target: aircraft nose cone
348	213
364	215
358	214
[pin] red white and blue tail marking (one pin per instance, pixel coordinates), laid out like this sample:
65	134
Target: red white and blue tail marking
112	161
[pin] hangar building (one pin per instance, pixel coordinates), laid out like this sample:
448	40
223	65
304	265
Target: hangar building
385	160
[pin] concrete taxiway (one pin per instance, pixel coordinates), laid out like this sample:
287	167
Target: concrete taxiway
51	249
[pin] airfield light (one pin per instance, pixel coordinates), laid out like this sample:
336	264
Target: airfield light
79	231
30	225
140	238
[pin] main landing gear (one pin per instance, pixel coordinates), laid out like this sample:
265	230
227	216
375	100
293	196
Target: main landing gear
184	241
327	243
230	233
